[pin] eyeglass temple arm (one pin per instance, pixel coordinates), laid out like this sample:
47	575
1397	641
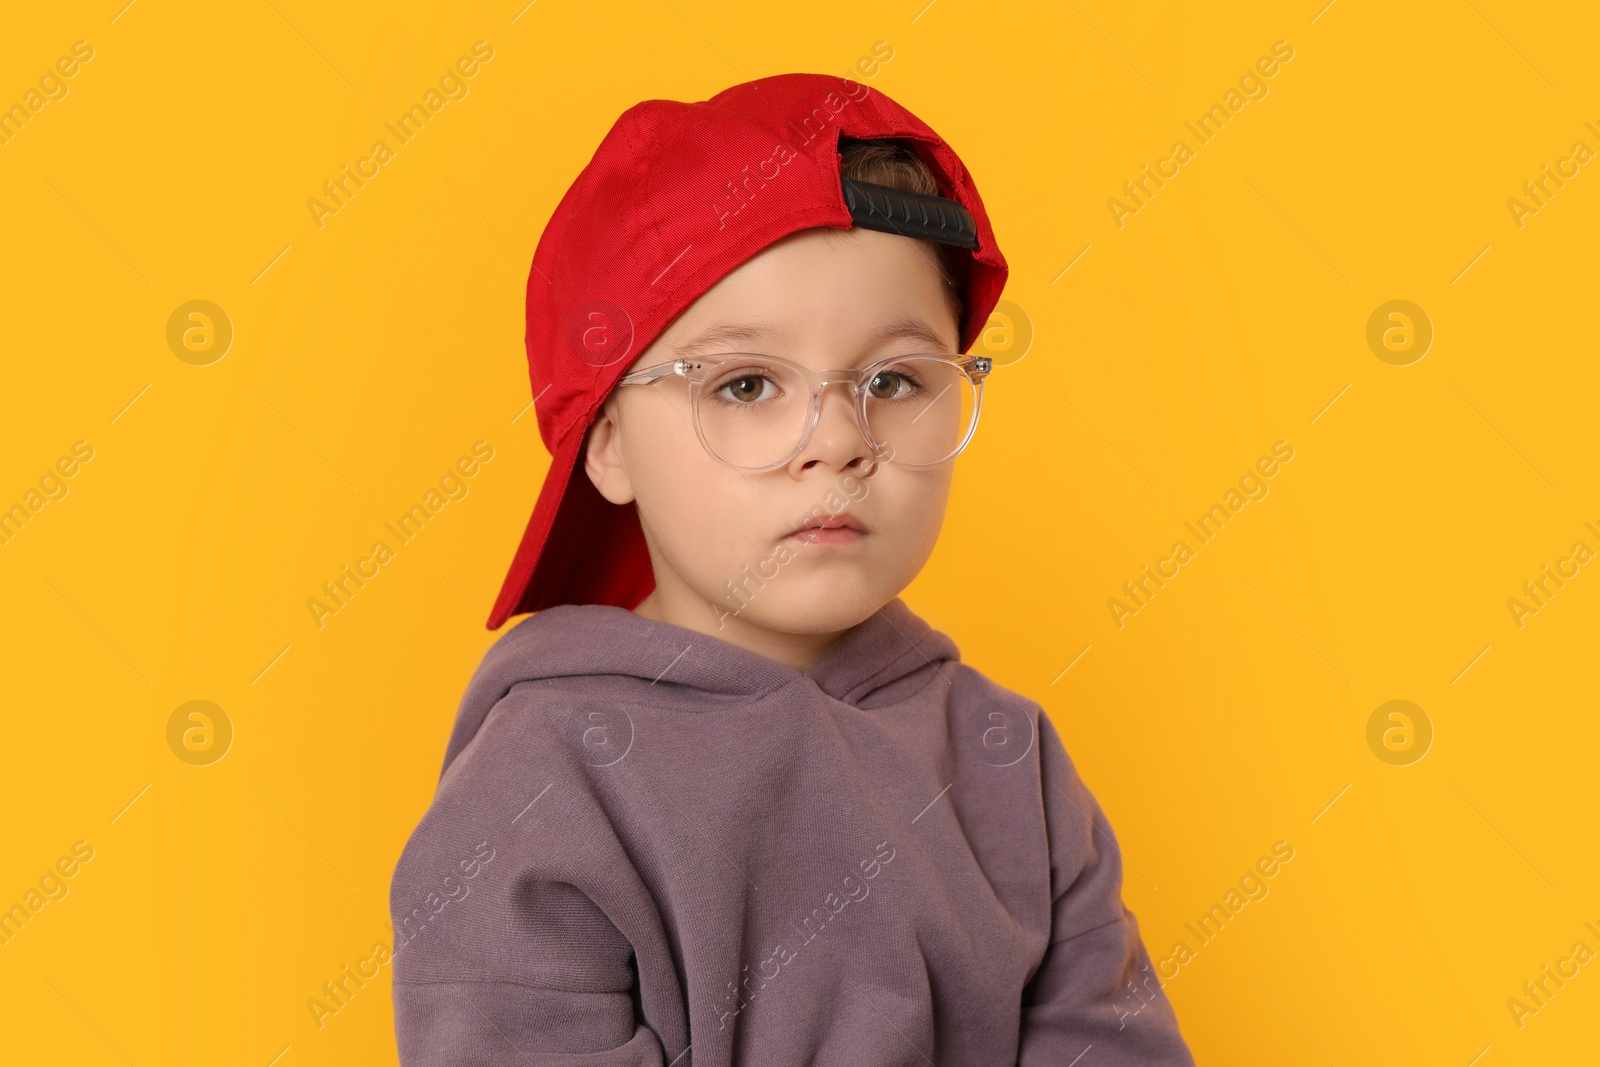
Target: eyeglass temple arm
978	366
651	374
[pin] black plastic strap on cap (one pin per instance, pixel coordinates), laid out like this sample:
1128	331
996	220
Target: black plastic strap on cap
934	218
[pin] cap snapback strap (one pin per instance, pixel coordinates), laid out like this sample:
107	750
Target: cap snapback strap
934	218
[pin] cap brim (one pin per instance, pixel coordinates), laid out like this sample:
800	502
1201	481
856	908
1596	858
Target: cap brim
578	548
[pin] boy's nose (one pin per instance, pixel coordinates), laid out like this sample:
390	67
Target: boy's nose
837	439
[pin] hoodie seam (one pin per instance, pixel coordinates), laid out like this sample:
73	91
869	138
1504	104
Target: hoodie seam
495	979
1118	921
725	681
624	672
893	671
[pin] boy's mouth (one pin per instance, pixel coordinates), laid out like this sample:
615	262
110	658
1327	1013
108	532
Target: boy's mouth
831	530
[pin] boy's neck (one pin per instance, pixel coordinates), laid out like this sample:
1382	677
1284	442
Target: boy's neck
797	651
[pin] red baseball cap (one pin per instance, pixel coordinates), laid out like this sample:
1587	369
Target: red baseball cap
678	195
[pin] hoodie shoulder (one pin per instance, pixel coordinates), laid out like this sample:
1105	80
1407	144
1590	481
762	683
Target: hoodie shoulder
523	669
524	725
1001	723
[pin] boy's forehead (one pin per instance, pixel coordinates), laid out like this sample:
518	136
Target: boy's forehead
758	331
847	268
776	337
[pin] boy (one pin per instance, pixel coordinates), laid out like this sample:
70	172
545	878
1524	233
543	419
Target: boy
725	799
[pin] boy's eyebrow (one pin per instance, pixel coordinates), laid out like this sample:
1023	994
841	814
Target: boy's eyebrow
730	333
907	327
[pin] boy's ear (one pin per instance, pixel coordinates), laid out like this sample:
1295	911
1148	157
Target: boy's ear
602	458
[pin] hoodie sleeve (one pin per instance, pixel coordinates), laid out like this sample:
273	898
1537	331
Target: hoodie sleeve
1095	987
501	955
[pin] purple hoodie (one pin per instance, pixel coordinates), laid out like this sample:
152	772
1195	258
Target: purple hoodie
653	848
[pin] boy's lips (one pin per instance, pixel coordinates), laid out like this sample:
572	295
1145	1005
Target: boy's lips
830	530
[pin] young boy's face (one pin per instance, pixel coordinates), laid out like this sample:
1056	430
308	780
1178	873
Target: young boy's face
828	297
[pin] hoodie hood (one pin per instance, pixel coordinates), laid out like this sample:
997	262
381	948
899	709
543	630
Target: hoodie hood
880	660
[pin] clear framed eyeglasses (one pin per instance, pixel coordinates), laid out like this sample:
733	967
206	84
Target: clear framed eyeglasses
756	412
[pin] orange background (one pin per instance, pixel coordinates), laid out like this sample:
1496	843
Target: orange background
1229	312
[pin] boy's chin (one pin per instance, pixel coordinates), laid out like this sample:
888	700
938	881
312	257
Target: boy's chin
807	606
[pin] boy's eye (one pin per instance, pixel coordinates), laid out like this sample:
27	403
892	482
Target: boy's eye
892	385
748	385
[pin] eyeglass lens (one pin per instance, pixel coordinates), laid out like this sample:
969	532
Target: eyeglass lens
754	412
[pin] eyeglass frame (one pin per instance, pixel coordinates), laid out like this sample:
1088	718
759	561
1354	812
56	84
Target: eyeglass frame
975	368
